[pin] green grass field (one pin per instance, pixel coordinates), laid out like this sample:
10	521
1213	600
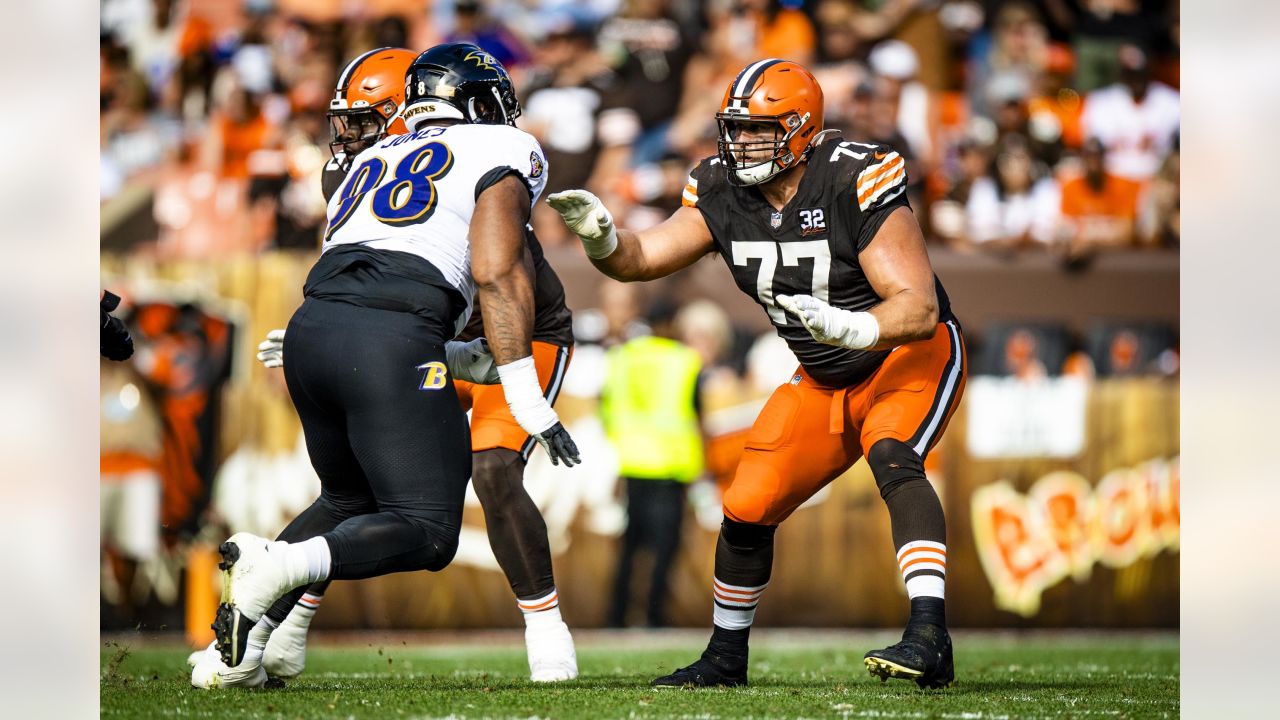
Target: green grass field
793	675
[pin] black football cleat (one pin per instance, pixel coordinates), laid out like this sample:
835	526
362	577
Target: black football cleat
704	673
923	655
231	630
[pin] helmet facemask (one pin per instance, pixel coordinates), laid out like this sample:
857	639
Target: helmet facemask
755	148
351	132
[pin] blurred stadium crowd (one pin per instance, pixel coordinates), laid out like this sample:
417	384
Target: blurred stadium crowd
1050	124
1031	127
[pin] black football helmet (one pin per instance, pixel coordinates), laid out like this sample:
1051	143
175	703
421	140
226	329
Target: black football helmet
459	81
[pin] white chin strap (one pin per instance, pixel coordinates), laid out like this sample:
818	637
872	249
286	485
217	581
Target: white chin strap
758	173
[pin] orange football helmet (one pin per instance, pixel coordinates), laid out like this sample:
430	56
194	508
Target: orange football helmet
368	101
780	104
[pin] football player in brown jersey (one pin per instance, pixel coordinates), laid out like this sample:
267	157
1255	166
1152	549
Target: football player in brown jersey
818	231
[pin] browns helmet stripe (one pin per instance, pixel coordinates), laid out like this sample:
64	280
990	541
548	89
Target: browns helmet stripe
747	79
344	79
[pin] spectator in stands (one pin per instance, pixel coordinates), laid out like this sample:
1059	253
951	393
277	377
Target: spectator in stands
1016	207
1159	210
577	109
1101	29
476	26
238	128
1136	118
1098	207
655	430
135	138
650	52
947	216
1055	107
1017	54
743	31
132	436
873	117
896	65
868	21
704	326
652	191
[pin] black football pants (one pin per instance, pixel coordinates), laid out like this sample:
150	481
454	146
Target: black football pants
384	433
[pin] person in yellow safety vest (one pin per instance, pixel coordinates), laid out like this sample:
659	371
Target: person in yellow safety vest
651	413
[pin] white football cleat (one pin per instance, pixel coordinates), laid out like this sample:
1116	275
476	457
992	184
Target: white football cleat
198	656
552	657
211	674
286	653
254	576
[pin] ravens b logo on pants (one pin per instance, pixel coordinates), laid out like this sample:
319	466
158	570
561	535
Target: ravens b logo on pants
434	375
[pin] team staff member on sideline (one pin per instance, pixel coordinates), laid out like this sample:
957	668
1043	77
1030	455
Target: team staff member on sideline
650	410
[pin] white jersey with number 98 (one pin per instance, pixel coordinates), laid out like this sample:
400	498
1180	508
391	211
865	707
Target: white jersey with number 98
415	193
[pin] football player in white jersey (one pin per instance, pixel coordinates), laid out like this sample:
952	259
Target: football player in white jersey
368	99
426	224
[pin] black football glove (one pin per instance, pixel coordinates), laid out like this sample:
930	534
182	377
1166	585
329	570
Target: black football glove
559	446
114	342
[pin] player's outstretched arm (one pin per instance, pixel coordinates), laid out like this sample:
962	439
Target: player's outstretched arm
897	265
672	245
504	283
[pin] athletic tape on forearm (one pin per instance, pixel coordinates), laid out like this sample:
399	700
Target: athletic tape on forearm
524	396
600	248
859	330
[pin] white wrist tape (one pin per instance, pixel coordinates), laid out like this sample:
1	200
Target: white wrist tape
602	247
859	330
524	396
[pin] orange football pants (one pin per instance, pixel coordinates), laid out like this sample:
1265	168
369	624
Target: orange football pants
492	425
808	434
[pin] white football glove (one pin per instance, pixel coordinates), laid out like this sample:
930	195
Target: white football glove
471	361
830	325
468	361
271	350
589	219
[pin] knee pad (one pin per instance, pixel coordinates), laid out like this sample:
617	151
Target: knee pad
496	474
894	464
746	536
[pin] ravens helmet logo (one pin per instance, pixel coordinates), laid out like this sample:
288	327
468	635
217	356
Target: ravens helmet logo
481	58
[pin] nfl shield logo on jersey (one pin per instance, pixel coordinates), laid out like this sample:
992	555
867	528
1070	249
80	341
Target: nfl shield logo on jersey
775	220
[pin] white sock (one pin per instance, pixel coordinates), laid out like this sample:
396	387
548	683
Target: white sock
924	568
257	641
308	561
305	609
733	607
542	611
